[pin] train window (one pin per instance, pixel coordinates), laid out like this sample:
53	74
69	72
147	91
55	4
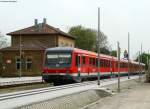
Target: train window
77	60
83	59
116	64
120	65
102	63
93	61
58	58
97	62
109	63
105	63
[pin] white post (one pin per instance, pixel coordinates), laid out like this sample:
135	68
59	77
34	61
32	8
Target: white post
118	55
98	46
141	59
148	61
20	49
139	66
128	56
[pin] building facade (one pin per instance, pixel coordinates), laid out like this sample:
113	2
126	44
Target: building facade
25	55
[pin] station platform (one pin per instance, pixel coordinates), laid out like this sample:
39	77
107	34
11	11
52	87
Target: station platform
19	80
137	97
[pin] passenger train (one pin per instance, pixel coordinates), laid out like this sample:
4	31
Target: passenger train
73	64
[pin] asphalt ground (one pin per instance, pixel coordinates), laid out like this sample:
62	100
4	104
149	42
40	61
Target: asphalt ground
134	94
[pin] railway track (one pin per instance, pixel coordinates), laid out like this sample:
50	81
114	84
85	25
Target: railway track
49	89
24	98
43	90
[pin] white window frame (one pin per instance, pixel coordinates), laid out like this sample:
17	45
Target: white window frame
28	62
17	57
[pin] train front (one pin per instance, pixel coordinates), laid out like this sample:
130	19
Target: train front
57	64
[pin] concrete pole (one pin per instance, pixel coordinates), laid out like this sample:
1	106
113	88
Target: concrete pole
20	50
118	55
141	60
148	60
128	56
98	46
139	66
111	64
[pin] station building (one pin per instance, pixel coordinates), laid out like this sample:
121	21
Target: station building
27	49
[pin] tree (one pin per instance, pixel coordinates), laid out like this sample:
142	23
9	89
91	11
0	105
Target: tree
105	50
114	53
143	58
3	41
86	38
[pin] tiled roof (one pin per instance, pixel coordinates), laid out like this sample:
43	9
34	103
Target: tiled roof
40	29
34	45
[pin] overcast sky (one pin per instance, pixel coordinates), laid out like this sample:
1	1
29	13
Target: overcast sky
118	17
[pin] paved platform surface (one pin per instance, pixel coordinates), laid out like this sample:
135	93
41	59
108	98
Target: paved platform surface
19	80
137	97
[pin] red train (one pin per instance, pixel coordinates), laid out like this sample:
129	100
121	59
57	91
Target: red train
72	64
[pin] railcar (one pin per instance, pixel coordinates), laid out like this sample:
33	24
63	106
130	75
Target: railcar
64	64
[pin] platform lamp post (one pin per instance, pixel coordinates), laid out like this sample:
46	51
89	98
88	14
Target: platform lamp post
98	44
128	56
111	63
141	56
148	61
147	58
139	66
141	61
20	52
118	56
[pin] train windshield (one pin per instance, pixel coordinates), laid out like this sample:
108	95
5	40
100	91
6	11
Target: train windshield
58	59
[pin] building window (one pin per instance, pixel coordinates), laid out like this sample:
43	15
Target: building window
18	63
28	63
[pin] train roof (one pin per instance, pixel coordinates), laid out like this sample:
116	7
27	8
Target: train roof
69	49
78	50
60	49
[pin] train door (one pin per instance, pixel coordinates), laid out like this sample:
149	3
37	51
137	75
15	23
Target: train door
84	65
78	64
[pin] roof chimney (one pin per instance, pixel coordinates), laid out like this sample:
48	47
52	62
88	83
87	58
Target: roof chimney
44	21
35	22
